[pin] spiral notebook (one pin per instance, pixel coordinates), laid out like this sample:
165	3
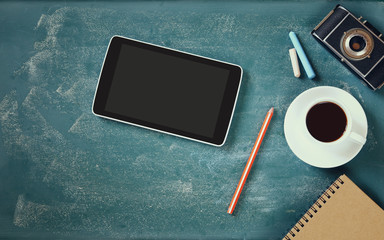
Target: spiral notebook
343	211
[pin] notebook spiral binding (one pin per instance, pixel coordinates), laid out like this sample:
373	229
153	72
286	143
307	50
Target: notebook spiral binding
327	194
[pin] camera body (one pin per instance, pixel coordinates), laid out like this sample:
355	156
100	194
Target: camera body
356	43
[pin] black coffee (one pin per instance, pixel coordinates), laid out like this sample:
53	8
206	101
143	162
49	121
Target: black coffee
326	121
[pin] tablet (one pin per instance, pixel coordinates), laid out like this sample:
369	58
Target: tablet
167	90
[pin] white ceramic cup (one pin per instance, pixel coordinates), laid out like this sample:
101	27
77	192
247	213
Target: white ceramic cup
325	154
350	138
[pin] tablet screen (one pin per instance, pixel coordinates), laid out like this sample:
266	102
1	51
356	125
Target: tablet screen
167	90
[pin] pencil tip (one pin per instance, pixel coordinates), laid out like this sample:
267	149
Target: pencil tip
271	110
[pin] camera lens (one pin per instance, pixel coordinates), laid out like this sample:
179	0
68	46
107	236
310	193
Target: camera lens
357	43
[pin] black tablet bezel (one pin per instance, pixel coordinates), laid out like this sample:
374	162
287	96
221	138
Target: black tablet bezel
226	109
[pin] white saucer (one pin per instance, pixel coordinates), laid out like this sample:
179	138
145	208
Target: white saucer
310	152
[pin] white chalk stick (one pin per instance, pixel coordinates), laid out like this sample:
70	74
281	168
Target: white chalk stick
295	62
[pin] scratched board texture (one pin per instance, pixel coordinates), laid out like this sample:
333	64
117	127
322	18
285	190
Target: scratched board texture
67	174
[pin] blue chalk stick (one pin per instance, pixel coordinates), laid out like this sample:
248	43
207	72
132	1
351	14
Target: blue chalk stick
303	58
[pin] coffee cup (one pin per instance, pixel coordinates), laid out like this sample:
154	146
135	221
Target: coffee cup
330	121
325	127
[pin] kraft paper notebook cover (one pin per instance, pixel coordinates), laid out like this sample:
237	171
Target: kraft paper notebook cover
343	211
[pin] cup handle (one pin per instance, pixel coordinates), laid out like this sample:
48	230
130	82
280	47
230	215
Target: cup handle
357	138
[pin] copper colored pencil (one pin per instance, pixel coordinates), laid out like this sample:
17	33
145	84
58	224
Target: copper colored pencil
251	159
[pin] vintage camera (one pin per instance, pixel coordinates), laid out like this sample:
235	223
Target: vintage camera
357	44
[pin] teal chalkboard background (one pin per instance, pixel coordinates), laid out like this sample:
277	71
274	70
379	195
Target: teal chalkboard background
67	174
